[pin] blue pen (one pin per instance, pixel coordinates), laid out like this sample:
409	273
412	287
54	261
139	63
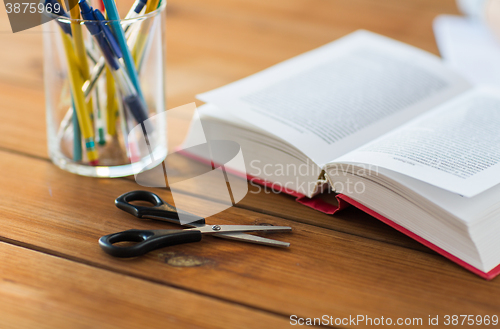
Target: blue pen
137	8
111	52
65	27
99	68
122	41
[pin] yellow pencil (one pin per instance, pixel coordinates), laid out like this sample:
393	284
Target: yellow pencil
81	53
76	90
77	32
138	49
82	64
111	101
151	5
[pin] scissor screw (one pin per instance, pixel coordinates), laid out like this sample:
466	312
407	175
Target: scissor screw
216	228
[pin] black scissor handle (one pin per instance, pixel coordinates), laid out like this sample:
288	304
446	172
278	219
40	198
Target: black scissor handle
147	240
159	209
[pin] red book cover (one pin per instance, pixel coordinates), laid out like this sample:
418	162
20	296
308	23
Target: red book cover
343	202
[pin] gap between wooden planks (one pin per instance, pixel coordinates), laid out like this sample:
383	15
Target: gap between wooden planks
323	271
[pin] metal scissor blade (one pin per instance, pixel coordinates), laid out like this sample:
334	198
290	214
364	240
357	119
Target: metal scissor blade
211	229
238	236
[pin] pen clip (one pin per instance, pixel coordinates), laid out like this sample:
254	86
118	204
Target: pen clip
108	34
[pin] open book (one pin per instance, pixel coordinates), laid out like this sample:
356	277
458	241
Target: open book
378	124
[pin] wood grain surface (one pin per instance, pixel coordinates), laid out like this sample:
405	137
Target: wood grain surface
53	273
42	291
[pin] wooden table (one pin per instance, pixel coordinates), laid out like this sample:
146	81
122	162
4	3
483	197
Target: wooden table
53	274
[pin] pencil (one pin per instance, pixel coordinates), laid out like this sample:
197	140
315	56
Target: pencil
80	62
140	43
80	49
76	82
152	5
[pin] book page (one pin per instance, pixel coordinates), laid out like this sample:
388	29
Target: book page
469	47
338	97
467	209
454	147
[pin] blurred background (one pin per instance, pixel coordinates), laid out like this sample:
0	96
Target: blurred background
212	43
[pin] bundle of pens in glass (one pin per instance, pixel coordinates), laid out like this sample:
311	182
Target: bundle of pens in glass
105	86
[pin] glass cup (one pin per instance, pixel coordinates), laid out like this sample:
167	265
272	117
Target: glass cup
93	109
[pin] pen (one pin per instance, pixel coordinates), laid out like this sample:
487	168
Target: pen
59	11
136	10
111	106
111	53
99	67
112	13
77	135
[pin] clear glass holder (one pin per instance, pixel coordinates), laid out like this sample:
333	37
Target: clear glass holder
97	135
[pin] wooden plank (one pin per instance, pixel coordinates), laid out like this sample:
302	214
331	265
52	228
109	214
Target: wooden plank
212	44
323	272
43	291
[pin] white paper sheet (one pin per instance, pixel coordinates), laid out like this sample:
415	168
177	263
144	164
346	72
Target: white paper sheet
455	147
338	97
469	47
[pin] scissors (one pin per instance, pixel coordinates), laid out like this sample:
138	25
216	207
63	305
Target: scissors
149	240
